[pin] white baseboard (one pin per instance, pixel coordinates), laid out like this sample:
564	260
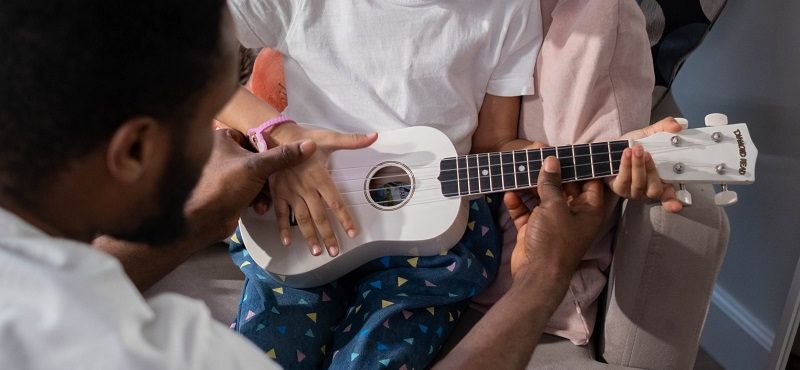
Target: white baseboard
733	336
742	317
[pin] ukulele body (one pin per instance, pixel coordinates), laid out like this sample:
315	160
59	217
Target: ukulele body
424	223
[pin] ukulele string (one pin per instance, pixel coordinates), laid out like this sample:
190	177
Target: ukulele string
658	150
436	187
420	173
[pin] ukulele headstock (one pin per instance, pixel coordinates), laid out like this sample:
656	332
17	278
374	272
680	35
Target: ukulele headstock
717	154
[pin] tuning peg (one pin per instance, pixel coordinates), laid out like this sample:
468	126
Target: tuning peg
726	197
683	195
716	119
683	122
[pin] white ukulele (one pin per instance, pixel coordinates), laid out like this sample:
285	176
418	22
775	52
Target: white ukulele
432	215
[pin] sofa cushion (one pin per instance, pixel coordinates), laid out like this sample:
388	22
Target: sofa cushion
661	282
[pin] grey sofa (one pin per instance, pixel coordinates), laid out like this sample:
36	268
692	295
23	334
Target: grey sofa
661	278
659	289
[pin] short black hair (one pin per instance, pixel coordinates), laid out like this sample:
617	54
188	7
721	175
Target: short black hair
72	71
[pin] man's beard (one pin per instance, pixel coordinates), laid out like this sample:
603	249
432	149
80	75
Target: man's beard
168	222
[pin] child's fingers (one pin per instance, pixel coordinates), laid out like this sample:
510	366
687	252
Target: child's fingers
261	204
622	183
638	173
335	140
517	209
654	185
306	224
571	189
668	124
282	214
334	200
669	199
316	208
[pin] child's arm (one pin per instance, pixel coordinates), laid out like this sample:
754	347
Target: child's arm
497	131
308	188
498	122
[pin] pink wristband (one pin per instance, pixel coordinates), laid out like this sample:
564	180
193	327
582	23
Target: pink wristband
257	134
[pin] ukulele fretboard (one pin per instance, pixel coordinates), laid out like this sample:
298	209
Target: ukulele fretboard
501	171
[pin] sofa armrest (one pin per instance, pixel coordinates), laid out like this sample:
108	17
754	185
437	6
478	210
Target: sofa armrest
661	281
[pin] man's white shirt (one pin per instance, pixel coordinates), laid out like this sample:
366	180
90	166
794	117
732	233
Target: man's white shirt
65	305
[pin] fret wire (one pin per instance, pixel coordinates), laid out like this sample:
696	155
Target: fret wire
480	182
618	161
469	190
528	165
471	176
591	159
541	163
502	173
610	159
615	161
514	160
475	175
458	178
489	168
574	157
574	167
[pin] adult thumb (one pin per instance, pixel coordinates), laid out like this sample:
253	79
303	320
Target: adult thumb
282	156
548	185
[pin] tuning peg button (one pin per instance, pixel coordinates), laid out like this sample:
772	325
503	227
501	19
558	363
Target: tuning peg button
726	197
716	119
684	196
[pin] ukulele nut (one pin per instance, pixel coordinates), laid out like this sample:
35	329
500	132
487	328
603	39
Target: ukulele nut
716	137
678	168
720	168
675	140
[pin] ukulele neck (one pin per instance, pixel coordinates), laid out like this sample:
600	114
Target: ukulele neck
485	173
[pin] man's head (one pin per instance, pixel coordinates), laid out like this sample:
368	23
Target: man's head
106	108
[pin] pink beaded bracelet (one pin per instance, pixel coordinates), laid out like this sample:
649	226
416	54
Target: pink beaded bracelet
257	134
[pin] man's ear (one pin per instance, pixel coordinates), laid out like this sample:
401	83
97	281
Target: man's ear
137	145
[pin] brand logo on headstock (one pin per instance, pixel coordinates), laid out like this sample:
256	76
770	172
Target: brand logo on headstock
742	152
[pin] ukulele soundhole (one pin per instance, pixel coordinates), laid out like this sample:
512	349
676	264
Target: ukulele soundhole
389	186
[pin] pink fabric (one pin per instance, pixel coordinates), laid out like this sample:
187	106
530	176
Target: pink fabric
595	81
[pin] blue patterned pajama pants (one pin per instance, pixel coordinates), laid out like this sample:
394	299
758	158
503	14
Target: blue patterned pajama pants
390	313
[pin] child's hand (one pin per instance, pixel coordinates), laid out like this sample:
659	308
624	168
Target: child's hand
308	190
638	177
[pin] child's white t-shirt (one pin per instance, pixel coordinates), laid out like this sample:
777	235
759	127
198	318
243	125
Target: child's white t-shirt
377	65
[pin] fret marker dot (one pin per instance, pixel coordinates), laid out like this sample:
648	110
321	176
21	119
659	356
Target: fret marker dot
485	172
521	168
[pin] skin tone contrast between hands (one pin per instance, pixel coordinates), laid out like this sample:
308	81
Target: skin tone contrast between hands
309	190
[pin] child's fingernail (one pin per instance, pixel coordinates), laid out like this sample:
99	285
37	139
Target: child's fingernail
286	241
638	152
316	250
333	251
352	233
